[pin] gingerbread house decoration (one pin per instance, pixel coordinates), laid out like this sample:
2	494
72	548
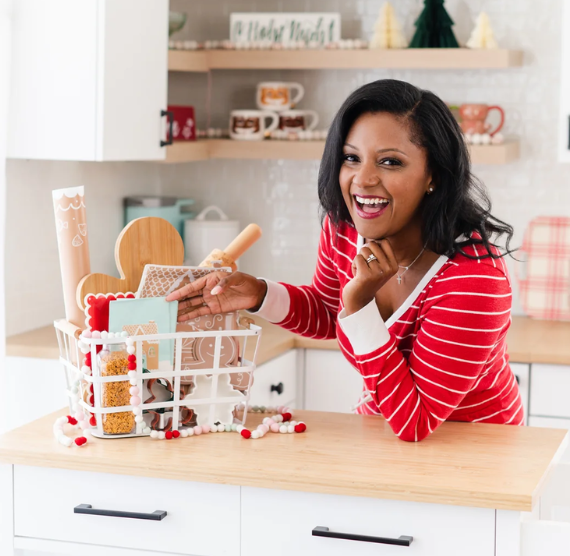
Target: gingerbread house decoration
150	347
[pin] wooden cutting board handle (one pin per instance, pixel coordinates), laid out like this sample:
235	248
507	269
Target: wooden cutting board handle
148	240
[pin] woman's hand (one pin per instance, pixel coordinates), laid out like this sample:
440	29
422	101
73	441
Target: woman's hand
218	292
369	277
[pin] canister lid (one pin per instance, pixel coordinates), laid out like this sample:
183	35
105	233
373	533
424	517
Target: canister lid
150	201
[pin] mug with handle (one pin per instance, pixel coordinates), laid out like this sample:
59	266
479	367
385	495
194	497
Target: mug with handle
250	125
474	116
279	95
296	120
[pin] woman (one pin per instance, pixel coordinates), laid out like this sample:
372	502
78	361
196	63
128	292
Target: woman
406	268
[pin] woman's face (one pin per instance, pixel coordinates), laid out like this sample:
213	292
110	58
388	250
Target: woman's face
384	176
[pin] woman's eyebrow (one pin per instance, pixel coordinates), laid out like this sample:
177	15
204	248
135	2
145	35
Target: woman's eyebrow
379	150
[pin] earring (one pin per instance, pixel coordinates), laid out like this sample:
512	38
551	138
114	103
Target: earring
430	190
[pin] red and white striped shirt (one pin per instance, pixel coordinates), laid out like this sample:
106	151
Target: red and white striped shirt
442	355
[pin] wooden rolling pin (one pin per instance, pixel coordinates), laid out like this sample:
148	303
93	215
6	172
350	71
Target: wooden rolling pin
234	250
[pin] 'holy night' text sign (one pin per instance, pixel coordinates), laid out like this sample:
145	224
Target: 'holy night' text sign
285	28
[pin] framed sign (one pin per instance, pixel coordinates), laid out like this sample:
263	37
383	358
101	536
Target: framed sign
285	28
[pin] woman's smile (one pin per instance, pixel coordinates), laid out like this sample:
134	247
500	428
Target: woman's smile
370	206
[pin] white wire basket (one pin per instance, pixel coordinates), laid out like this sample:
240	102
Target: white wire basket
211	395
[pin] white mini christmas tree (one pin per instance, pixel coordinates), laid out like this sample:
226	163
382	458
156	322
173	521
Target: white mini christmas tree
482	36
387	30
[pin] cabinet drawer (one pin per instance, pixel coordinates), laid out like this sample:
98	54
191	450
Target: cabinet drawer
276	381
550	534
44	500
437	530
549	390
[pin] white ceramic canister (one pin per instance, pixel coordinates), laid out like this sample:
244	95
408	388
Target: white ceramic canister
202	236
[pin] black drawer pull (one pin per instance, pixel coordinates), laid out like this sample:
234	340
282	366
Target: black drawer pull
170	119
277	388
88	509
404	540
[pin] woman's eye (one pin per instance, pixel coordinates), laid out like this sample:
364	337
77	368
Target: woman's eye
350	158
390	162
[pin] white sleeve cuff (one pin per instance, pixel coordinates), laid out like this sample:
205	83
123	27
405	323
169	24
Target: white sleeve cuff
364	329
275	306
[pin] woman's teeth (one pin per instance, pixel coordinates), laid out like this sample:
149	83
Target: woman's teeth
371	204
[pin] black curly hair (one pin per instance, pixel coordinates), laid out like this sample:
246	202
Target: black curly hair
459	204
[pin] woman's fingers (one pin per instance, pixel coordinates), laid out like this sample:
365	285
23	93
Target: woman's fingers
388	267
189	290
192	302
384	244
194	313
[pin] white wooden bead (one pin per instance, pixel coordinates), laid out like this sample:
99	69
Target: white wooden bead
255	434
130	342
61	421
124	334
139	419
161	435
240	428
154	434
213	428
86	433
111	335
291	428
293	423
131	350
137	410
57	432
132	374
184	433
190	431
84	350
104	335
221	428
147	430
283	429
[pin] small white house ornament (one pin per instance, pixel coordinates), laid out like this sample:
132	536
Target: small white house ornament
285	28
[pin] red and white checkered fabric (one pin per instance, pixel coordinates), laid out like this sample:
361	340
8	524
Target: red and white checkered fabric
545	286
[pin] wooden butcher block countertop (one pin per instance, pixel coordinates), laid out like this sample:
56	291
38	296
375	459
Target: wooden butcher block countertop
466	464
529	341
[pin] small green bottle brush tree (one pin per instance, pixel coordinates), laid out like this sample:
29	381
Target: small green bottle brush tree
433	27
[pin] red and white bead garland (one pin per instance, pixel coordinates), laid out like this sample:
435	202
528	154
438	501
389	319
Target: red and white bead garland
280	423
134	390
65	440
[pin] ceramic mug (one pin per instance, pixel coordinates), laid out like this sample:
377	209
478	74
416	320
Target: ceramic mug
296	120
278	96
249	125
474	116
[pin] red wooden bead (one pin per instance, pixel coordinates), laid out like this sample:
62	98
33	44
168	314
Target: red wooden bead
80	440
71	420
132	358
300	427
246	433
175	434
93	421
168	435
91	388
91	399
132	366
286	417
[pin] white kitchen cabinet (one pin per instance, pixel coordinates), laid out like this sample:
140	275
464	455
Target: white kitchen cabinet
564	117
89	80
469	531
275	382
45	501
522	373
550	385
331	382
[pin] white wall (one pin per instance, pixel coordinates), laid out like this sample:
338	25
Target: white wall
281	196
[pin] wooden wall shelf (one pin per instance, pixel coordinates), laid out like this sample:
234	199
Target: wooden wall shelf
188	151
420	58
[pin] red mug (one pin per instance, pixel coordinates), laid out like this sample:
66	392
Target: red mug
474	116
184	123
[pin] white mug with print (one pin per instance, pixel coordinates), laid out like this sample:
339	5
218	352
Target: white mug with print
296	120
250	125
278	95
